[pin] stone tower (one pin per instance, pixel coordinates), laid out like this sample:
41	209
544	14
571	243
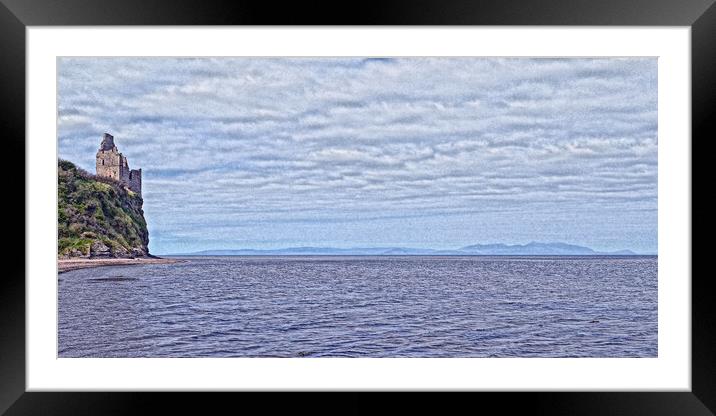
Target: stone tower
112	164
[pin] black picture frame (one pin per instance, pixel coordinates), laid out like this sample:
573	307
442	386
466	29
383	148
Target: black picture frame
15	15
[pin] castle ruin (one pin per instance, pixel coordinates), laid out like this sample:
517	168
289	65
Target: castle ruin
112	164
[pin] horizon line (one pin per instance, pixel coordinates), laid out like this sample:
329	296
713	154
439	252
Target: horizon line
598	254
618	252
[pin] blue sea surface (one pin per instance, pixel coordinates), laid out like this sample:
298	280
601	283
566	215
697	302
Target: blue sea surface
325	306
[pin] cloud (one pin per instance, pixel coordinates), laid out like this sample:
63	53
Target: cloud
225	142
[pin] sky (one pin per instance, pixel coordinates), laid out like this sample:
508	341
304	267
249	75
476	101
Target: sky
375	152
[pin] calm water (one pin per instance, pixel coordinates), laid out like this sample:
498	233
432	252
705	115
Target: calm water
363	307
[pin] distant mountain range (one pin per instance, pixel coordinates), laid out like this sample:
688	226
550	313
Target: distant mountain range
530	249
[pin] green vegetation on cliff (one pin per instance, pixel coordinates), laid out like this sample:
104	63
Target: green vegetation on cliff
98	217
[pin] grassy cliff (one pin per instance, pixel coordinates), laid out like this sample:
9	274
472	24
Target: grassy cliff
98	217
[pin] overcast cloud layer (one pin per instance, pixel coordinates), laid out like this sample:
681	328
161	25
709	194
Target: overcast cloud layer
439	153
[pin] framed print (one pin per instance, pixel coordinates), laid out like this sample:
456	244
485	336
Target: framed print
452	197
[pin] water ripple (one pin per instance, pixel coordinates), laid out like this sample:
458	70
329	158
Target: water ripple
363	307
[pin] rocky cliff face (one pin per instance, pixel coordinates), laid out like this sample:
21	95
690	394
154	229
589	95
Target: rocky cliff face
98	217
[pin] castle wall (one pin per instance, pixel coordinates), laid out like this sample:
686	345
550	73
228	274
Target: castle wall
123	169
108	164
135	180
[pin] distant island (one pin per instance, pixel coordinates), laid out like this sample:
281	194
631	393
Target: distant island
530	249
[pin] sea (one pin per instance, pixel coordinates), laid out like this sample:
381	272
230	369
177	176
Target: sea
358	306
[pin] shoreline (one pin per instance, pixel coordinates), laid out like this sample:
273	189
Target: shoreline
66	265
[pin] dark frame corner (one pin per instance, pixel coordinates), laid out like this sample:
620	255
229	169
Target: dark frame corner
15	15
